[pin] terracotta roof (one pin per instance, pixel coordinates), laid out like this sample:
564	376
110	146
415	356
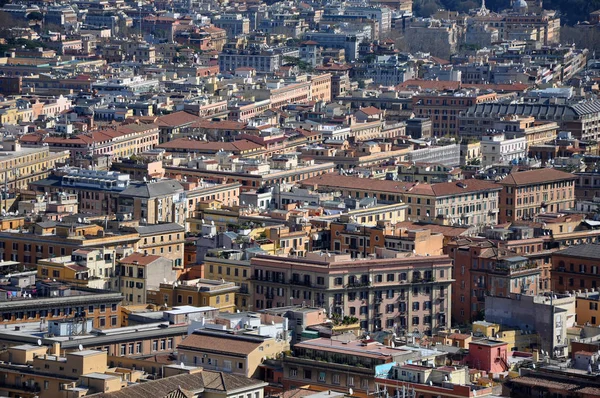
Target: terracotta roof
334	180
177	119
139	259
535	177
434	228
220	125
462	186
193	145
185	385
225	343
370	110
453	85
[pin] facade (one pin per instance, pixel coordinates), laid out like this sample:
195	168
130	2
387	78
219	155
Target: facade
238	353
550	316
138	273
528	193
499	149
197	292
482	270
443	108
404	293
576	268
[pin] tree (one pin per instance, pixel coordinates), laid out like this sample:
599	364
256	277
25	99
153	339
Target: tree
35	16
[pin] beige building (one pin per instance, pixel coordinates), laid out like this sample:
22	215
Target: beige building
394	291
19	166
236	353
138	273
29	371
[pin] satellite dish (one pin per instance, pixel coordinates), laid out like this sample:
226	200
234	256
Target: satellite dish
212	223
165	280
182	365
39	342
350	391
145	179
79	220
80	347
16	212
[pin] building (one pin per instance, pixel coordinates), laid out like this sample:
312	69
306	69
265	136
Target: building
92	268
403	293
576	268
339	365
443	108
138	273
153	202
580	119
239	353
549	316
489	355
192	381
483	269
233	24
22	166
500	149
528	193
196	292
54	301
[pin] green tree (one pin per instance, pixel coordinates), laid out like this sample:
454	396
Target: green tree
35	16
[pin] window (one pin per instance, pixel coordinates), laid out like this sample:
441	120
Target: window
322	376
154	345
293	371
390	277
307	374
350	381
335	379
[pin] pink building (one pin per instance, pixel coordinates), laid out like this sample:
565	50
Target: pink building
488	355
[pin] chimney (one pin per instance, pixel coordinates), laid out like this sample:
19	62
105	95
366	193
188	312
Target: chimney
55	350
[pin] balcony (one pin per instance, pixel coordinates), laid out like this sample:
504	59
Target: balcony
357	285
298	282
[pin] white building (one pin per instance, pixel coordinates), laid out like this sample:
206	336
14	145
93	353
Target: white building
497	149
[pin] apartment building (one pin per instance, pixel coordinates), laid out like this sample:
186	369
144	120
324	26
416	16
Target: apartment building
117	142
339	365
153	202
233	24
54	301
528	193
483	269
443	108
97	190
468	202
231	270
166	240
240	353
137	274
22	166
403	293
30	370
91	268
576	268
362	240
580	119
501	148
196	292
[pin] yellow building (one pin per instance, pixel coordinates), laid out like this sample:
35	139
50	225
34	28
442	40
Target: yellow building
587	309
20	166
218	294
93	268
516	339
50	375
236	271
239	354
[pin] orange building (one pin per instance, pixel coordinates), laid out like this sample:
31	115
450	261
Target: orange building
528	193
